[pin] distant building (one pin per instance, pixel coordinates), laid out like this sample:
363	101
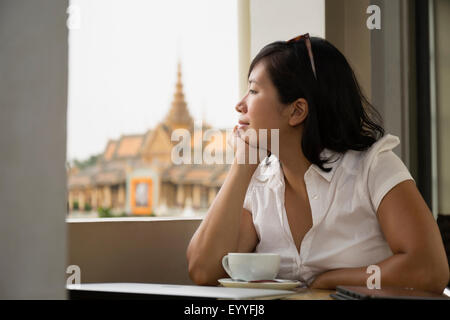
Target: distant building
135	174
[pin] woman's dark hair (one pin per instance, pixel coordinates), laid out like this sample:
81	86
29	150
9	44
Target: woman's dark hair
340	117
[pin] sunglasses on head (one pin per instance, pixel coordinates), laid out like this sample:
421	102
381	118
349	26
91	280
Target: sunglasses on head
308	46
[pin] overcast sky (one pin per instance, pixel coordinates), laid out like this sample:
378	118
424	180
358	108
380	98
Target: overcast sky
122	66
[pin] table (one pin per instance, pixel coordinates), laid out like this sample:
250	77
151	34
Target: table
311	294
138	291
150	291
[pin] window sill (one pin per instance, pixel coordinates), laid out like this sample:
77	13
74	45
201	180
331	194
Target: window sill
131	219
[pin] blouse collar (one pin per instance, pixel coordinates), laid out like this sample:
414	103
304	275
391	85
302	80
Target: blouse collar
270	166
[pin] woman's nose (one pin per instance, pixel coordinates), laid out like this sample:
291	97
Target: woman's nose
240	106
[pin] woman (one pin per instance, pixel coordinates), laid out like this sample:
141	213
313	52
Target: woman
335	199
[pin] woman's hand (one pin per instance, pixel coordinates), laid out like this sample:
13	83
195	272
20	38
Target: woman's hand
245	146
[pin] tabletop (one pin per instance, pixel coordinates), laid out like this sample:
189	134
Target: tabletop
169	291
150	291
310	294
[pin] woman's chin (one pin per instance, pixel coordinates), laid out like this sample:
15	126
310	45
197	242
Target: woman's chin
243	127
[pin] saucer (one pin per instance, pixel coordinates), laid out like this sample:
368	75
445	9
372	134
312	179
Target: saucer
282	285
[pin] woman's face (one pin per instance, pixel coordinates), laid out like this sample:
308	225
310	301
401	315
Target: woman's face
259	107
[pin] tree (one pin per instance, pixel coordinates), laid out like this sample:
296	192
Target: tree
92	160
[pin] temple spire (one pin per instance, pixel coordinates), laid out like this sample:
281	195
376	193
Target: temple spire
178	115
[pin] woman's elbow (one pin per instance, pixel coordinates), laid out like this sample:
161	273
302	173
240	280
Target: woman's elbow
441	274
440	279
200	277
434	278
198	273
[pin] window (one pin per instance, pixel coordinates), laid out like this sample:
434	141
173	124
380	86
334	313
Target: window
138	71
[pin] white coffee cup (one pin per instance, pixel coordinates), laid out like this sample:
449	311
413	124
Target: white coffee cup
251	266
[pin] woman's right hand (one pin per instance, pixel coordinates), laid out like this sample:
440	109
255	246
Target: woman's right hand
245	146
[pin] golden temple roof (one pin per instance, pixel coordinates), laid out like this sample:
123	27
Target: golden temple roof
178	115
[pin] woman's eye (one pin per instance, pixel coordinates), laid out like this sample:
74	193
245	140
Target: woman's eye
252	91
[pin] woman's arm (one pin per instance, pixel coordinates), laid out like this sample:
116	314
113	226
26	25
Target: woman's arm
227	227
419	259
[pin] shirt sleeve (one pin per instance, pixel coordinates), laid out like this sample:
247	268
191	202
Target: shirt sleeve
385	172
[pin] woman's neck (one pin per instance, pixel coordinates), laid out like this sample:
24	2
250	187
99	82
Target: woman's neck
294	165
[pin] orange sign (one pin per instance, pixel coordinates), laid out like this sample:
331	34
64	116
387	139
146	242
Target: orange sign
141	195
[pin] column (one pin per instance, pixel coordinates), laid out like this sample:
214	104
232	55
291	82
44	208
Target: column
196	196
81	199
107	197
180	195
70	200
212	192
121	196
94	198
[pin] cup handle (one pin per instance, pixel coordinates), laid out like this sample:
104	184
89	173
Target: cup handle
226	266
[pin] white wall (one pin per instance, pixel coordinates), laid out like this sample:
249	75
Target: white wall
273	20
33	99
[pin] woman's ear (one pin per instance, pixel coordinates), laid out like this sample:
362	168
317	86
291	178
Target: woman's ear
298	112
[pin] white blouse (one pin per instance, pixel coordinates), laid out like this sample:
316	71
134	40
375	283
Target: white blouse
344	202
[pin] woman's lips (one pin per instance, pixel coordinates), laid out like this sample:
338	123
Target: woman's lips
242	125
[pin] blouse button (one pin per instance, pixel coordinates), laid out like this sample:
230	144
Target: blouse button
315	197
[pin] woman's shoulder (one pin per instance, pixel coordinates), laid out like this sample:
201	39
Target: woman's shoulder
363	160
378	168
385	143
378	162
381	149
